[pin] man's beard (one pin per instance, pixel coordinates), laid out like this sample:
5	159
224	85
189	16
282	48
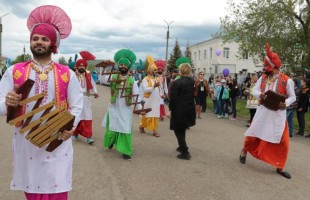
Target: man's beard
268	71
123	70
160	73
42	53
81	70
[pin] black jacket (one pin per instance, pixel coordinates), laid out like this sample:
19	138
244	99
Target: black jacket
182	105
303	101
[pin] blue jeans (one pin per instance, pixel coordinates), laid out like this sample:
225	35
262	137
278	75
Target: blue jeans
214	106
224	104
289	117
218	107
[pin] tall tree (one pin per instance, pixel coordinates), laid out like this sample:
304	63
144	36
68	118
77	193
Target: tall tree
188	53
284	24
176	53
21	58
62	61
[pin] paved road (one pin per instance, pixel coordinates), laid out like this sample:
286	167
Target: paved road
154	173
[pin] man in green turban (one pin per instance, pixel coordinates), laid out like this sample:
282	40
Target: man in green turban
118	118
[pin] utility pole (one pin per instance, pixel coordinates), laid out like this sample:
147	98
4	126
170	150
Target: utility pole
1	38
167	42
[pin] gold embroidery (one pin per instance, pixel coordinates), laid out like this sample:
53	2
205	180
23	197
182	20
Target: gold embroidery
64	77
17	74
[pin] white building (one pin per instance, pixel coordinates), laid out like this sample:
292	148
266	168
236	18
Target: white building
205	58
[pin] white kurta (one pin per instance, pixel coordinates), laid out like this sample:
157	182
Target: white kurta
153	101
120	115
35	169
87	110
268	125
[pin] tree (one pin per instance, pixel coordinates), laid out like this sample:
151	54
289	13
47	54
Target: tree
188	53
284	24
21	58
62	61
176	53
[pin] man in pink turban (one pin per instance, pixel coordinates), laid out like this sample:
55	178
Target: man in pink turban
37	172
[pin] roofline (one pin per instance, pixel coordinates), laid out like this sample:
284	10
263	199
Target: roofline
204	42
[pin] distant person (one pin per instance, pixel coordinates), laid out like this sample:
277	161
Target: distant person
252	102
291	109
233	95
222	97
201	92
212	87
88	87
302	106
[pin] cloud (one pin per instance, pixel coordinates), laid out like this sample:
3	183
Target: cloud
103	27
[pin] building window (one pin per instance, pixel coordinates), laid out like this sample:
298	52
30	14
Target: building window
226	52
211	53
205	54
199	54
195	56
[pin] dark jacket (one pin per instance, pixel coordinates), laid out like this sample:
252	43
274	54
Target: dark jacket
303	101
182	105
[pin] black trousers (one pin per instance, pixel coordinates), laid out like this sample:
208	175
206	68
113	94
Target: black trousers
180	134
301	121
252	113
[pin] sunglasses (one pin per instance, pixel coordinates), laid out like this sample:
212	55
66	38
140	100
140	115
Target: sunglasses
201	74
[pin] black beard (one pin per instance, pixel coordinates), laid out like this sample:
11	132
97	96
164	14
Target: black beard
123	70
160	73
81	70
41	54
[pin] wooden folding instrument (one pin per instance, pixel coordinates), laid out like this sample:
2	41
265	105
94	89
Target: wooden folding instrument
123	95
45	130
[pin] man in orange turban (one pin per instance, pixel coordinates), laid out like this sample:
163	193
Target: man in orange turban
267	138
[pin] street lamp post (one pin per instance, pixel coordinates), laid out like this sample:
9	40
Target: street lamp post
1	38
167	37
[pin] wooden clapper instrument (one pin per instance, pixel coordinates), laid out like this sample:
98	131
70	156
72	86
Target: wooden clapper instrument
47	129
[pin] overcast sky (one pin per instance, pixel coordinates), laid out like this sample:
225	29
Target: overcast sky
105	26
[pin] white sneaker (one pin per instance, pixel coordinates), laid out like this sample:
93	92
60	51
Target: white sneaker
219	116
89	141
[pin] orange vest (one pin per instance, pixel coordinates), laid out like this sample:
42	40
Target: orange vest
281	85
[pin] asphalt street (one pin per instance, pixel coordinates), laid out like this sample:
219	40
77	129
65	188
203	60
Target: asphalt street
154	173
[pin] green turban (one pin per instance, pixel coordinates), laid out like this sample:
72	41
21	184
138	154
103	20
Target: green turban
182	60
125	57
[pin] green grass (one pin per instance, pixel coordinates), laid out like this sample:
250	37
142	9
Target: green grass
243	112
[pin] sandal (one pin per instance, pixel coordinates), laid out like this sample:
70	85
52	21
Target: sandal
141	129
156	134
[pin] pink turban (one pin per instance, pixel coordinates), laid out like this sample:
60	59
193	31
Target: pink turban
49	31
